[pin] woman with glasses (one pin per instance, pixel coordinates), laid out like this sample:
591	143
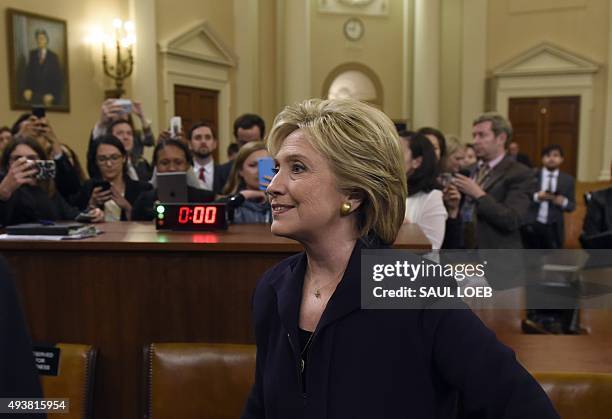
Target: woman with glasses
110	187
26	195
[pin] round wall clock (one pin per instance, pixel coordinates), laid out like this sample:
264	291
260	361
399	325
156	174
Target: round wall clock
354	29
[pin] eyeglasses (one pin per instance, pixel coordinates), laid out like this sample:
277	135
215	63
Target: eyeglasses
113	158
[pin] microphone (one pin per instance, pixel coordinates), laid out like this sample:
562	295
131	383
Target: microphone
234	202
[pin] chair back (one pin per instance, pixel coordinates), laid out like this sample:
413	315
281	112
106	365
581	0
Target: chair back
197	380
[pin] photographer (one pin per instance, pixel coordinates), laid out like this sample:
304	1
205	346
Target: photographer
27	192
67	179
116	119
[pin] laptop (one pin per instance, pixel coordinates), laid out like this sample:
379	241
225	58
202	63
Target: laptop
172	187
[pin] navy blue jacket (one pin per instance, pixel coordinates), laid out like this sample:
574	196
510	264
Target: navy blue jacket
382	364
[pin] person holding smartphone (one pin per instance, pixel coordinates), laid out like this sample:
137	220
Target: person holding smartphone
110	188
243	189
37	126
26	194
112	111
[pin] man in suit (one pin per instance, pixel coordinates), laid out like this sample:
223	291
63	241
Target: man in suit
247	127
498	193
598	218
202	142
515	153
43	79
545	228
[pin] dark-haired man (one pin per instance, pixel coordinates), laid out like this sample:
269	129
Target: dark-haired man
202	142
43	76
249	127
498	193
545	228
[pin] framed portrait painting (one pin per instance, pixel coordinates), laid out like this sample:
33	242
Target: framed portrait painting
38	61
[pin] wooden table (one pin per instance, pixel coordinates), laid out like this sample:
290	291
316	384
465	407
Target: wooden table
132	285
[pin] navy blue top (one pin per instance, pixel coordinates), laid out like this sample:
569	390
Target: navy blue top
384	364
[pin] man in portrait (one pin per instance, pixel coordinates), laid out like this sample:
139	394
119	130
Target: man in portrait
43	75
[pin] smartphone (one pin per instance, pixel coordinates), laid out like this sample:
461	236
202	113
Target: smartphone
175	126
126	104
38	111
265	167
446	179
46	169
105	185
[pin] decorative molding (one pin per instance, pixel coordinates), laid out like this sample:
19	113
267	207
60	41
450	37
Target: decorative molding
200	43
546	59
531	6
368	88
355	7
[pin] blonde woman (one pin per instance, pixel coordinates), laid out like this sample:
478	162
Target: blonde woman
248	201
339	188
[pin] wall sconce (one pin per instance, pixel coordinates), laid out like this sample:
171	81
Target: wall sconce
122	41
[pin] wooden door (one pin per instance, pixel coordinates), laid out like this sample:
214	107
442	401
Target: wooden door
195	105
539	122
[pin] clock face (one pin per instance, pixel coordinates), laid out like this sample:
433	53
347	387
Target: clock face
354	29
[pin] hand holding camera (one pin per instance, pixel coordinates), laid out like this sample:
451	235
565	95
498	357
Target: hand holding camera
21	172
114	109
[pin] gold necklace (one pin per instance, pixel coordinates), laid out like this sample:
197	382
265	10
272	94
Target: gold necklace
317	291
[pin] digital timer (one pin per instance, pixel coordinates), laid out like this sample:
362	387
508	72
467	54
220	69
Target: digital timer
190	217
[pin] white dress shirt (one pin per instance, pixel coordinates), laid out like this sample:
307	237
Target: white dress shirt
209	172
548	182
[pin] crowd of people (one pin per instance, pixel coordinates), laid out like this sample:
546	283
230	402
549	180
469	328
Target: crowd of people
483	194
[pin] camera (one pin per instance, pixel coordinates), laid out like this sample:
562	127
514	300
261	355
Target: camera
46	169
126	104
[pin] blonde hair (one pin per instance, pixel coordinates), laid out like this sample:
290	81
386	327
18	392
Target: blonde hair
453	144
235	182
362	147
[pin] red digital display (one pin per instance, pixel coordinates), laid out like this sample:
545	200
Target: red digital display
197	215
190	217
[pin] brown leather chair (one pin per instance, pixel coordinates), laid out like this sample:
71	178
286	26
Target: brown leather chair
197	380
74	380
578	395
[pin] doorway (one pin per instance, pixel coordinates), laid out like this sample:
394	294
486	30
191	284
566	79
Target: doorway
195	105
541	121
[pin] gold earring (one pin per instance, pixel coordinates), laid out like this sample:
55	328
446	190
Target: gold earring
345	209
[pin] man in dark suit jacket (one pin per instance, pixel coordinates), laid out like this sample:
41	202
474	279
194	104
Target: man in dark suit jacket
598	218
247	127
545	228
18	374
515	154
202	142
498	193
43	79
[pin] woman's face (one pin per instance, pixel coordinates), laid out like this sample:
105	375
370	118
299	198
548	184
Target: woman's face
470	157
109	161
304	197
454	162
5	138
125	134
171	159
22	150
410	164
249	172
436	145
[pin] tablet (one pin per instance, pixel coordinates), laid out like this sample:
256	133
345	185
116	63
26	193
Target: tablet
172	187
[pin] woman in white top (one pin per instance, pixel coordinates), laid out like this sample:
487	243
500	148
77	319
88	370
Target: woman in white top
424	205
